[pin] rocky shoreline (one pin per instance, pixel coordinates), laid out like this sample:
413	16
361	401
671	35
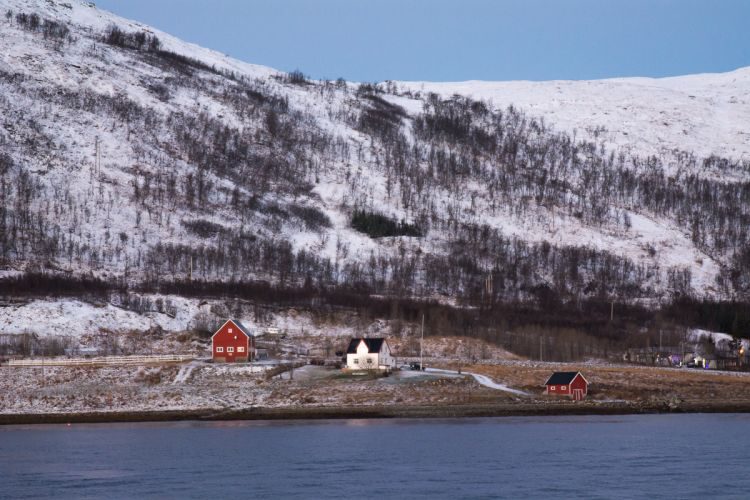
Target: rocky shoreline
378	412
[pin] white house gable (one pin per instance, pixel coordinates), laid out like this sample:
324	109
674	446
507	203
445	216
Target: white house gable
362	349
369	354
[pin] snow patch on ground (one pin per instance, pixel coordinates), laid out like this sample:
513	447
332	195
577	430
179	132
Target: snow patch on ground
76	318
696	334
483	380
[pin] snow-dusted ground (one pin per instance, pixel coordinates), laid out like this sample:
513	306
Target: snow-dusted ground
76	318
482	379
64	390
488	382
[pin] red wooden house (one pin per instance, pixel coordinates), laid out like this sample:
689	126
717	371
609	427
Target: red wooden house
571	384
232	343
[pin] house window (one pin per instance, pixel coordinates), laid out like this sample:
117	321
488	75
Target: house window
240	349
219	349
563	387
552	388
230	349
356	361
369	361
230	331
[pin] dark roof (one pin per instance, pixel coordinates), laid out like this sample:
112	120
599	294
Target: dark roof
373	345
561	378
242	327
239	325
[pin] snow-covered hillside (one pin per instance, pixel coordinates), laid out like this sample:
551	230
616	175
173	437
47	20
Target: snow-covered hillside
702	114
128	153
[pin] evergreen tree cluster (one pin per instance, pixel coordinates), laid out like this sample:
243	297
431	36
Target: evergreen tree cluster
377	225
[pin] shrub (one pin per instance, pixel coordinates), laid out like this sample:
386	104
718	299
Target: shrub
54	30
136	41
312	218
203	228
297	77
161	91
148	376
183	63
380	117
32	22
377	225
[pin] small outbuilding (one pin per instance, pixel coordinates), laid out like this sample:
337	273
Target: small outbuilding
571	384
232	343
369	354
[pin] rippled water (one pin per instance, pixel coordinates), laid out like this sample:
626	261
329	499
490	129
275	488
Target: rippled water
654	456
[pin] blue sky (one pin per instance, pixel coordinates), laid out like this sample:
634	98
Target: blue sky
442	40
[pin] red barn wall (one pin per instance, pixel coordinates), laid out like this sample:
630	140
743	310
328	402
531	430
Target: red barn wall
577	383
235	339
558	389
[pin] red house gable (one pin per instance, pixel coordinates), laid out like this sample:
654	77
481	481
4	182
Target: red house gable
232	342
571	384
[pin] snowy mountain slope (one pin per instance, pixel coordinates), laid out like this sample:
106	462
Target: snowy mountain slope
131	154
86	19
702	114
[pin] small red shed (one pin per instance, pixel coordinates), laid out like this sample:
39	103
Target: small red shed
232	342
571	384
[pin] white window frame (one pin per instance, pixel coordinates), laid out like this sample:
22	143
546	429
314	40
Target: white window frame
552	388
219	349
563	388
230	349
356	361
230	330
240	349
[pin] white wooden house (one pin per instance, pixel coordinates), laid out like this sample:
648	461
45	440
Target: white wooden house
369	354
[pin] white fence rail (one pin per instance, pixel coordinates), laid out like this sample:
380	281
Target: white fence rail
105	360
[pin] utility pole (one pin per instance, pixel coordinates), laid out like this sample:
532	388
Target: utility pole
682	353
660	347
421	347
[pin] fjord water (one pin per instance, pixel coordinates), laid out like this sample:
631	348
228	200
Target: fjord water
676	456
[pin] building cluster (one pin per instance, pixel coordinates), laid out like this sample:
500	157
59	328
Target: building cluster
233	343
719	356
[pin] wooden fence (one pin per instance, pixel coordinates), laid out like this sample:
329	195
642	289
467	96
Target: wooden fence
105	360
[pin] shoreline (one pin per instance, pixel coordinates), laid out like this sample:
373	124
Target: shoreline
375	412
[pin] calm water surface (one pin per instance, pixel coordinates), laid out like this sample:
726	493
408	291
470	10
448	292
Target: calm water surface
654	456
